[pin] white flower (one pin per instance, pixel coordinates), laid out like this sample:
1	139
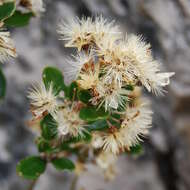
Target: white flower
97	141
105	160
42	100
90	79
77	33
63	128
113	142
140	65
74	65
105	30
69	122
86	32
110	94
137	121
7	49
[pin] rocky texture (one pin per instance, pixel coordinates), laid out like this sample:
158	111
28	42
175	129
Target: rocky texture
165	164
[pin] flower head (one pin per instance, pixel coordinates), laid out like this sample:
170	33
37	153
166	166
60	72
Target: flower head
7	49
86	32
90	79
69	122
77	33
42	100
76	63
136	122
141	65
109	94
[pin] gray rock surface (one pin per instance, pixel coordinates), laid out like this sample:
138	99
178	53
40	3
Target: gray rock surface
165	164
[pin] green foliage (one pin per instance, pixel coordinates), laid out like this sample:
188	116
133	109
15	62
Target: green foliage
63	164
92	114
43	146
2	85
71	91
129	87
97	125
31	167
53	76
84	96
6	10
18	19
48	127
85	137
137	149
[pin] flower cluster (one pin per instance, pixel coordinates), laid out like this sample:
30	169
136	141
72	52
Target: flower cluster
7	48
104	97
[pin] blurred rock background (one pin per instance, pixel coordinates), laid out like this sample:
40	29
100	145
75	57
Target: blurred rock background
165	164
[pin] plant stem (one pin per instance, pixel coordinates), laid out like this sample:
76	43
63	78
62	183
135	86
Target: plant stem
32	185
74	183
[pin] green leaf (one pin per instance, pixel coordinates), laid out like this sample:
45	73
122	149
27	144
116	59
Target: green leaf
48	127
98	125
84	96
18	19
137	149
31	167
2	85
6	10
71	91
93	114
129	87
53	76
63	164
85	137
43	146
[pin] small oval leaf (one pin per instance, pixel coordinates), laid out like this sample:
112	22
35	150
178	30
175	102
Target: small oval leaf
31	167
6	10
63	164
18	19
97	125
53	76
92	114
48	127
84	96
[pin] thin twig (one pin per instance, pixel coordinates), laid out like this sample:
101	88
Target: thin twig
32	185
74	183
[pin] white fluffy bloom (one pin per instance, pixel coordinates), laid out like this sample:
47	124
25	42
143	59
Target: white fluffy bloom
140	65
42	100
90	79
74	65
113	142
137	121
105	160
97	141
110	94
105	30
7	49
77	33
69	122
86	32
